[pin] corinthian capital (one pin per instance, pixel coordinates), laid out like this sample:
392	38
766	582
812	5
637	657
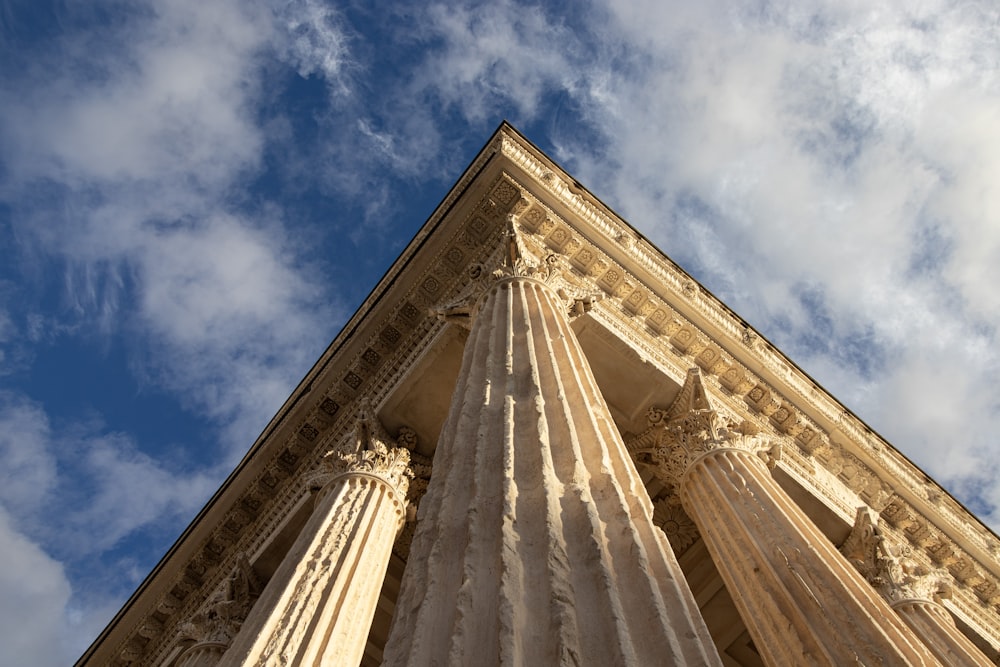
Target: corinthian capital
222	617
690	428
513	259
369	449
889	567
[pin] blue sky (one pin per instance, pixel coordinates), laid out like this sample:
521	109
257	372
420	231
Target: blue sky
194	196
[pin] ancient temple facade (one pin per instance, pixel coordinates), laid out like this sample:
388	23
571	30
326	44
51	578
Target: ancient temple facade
540	442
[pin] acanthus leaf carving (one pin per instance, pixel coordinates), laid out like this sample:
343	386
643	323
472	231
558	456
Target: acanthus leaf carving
369	449
224	614
515	261
690	428
890	568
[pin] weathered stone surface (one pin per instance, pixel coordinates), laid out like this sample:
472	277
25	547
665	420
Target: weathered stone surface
535	543
318	607
800	599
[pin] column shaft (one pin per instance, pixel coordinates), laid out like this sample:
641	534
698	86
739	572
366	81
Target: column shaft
802	602
203	654
935	626
535	543
318	607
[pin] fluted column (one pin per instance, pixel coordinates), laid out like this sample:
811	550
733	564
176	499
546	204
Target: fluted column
800	599
935	626
535	543
912	589
202	654
318	607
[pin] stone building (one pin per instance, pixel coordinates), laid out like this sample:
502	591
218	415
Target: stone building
539	441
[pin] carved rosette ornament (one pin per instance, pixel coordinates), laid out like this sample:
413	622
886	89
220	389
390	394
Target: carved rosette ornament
914	590
675	524
801	601
319	605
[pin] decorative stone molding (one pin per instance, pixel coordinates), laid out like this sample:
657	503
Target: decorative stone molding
422	469
862	476
640	285
914	589
670	516
318	606
510	563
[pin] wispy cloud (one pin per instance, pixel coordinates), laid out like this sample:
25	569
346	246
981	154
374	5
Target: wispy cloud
70	494
128	180
315	41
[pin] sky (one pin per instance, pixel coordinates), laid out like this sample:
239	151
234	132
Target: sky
195	196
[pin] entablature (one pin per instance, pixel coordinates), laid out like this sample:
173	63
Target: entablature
666	321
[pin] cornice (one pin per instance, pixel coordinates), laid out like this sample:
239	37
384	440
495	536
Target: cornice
835	449
649	302
638	256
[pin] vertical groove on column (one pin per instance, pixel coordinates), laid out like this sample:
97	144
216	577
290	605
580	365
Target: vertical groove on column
532	548
583	539
799	604
650	568
340	602
711	494
318	607
935	626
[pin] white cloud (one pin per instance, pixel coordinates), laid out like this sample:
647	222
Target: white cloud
143	167
28	472
828	170
828	157
81	487
125	154
68	496
316	41
34	592
483	63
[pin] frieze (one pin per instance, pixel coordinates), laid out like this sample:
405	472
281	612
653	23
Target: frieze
666	273
399	338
